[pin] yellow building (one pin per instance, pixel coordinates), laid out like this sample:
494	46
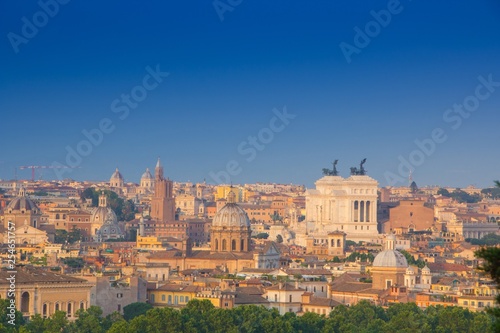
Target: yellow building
478	297
43	292
150	243
222	191
172	295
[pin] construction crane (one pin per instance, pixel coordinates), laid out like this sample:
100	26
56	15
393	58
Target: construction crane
33	167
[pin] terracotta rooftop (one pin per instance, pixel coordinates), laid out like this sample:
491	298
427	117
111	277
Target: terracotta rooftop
31	275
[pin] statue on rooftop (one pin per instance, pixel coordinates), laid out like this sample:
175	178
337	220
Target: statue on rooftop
333	172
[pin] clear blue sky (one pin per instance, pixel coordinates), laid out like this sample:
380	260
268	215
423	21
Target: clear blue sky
227	76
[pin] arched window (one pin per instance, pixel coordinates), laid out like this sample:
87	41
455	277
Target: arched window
216	244
338	242
70	308
224	245
57	307
242	245
45	310
233	245
82	305
25	302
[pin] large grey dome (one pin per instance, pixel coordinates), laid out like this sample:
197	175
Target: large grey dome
22	203
390	258
231	215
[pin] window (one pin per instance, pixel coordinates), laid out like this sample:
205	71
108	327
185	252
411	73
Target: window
44	311
69	309
82	306
187	299
119	308
169	299
152	298
57	307
290	298
275	297
182	299
163	298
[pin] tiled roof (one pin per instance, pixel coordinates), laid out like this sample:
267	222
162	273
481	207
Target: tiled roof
285	287
29	275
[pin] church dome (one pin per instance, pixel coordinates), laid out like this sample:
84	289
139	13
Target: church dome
231	215
102	215
22	203
390	258
147	175
117	175
110	230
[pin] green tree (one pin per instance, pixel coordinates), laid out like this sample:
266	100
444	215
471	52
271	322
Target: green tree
135	309
488	240
57	323
91	320
36	324
6	316
491	265
61	236
124	210
411	260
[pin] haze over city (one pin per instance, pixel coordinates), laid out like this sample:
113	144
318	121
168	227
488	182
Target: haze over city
352	94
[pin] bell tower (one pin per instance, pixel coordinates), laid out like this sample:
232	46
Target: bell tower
163	203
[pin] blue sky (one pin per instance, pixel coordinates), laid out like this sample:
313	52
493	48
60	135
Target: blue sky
227	76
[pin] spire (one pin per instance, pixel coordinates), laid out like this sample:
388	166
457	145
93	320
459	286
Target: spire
158	170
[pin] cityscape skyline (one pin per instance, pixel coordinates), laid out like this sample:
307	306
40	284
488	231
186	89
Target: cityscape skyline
269	94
